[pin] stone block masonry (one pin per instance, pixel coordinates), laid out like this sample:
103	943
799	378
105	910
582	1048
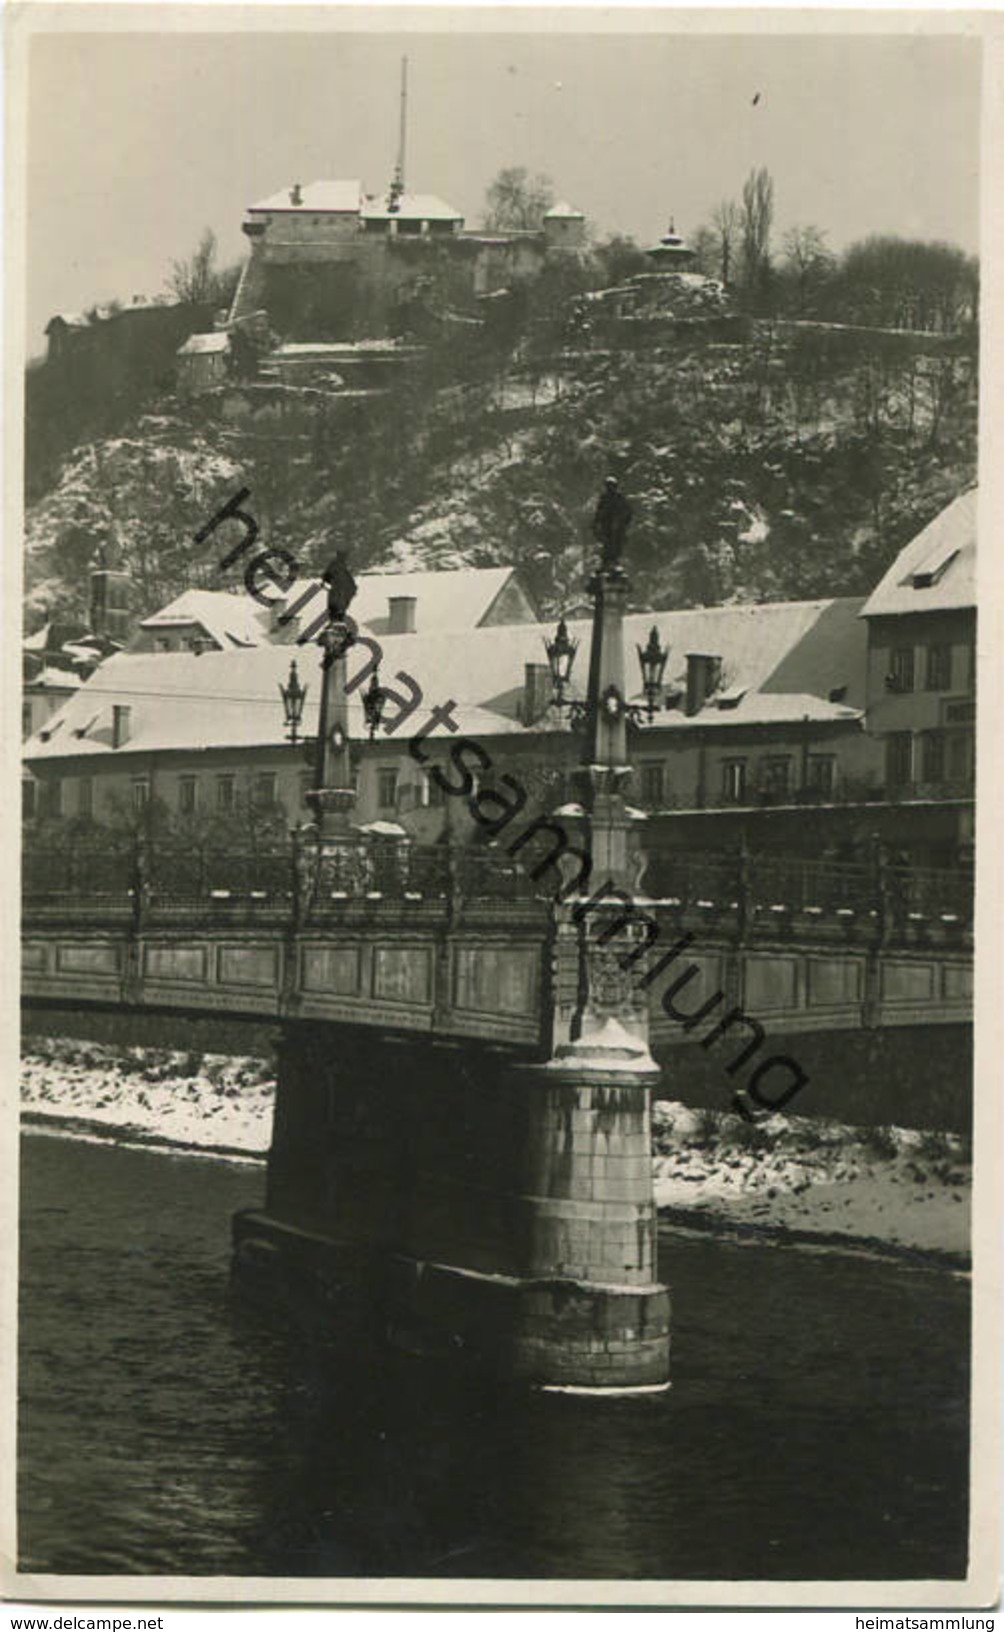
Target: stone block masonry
500	1214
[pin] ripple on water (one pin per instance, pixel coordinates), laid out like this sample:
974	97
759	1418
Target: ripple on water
816	1427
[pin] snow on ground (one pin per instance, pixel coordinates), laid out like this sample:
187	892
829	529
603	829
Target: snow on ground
207	1100
894	1186
889	1186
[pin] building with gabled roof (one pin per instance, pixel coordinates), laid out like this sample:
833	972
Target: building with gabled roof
203	620
775	719
329	261
747	713
921	698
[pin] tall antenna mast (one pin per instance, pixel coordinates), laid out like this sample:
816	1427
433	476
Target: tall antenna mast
397	185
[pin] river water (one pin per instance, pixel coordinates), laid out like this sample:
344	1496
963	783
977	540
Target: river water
816	1428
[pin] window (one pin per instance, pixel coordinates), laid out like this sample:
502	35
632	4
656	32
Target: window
734	780
28	787
960	756
435	795
901	669
50	797
898	758
387	787
933	756
971	667
263	790
777	777
224	793
85	796
26	717
652	783
939	668
186	795
162	643
140	792
821	773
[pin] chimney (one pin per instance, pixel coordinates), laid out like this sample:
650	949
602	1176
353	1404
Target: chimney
401	620
286	627
295	194
120	724
111	616
537	691
703	676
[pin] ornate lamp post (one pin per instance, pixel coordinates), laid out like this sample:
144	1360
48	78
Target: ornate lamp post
373	698
333	796
294	695
653	666
594	1207
604	714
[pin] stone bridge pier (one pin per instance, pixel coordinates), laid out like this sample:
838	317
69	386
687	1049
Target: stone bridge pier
465	1204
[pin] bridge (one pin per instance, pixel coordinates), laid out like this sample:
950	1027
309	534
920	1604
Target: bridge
460	1143
461	1147
460	944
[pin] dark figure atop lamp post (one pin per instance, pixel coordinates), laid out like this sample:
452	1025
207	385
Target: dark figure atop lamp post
341	587
611	520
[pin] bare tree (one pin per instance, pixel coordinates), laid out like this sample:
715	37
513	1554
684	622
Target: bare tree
705	247
757	218
198	280
725	223
516	201
808	259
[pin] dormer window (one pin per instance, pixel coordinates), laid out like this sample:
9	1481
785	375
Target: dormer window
731	698
933	571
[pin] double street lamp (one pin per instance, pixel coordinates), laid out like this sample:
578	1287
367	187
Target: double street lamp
294	696
561	650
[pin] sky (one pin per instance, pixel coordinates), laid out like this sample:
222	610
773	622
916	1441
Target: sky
136	142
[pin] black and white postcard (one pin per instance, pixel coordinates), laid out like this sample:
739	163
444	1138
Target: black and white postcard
493	500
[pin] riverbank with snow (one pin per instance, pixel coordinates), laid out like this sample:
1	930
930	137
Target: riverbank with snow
798	1177
210	1102
792	1178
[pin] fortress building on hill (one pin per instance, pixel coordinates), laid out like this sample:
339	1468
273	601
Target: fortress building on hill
329	261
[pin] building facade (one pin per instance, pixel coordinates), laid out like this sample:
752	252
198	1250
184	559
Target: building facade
329	261
778	724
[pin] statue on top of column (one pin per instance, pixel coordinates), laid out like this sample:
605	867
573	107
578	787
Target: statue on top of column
610	522
341	587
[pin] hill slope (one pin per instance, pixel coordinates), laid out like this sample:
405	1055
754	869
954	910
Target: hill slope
763	462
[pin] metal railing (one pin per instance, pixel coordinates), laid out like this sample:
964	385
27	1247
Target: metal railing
277	877
748	883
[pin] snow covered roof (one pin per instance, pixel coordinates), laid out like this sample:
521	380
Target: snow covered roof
178	701
197	343
410	207
444	600
54	680
231	620
563	211
784	657
936	571
315	197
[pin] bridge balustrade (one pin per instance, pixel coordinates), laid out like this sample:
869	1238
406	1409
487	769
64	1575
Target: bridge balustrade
757	884
52	873
173	879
